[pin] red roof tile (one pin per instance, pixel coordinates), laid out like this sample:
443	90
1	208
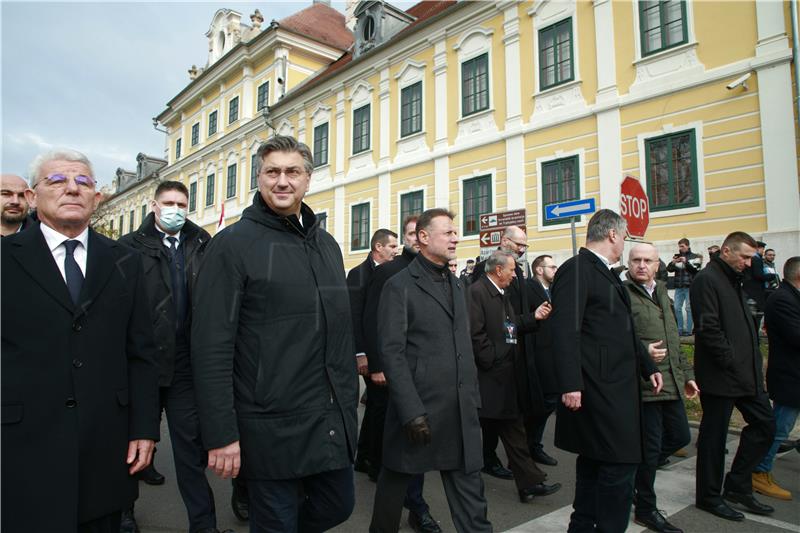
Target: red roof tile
322	23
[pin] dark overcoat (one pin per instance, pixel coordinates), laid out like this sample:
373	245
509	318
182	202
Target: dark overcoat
427	357
158	282
727	360
488	310
78	383
542	340
372	297
272	346
357	281
600	355
783	328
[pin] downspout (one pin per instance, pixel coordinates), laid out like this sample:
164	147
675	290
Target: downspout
795	53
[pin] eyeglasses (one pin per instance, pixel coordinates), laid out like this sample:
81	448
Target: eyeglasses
289	172
520	244
60	180
554	267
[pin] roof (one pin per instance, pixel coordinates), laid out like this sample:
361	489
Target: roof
322	23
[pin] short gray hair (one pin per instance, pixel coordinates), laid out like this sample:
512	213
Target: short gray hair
59	154
602	222
499	258
284	143
791	269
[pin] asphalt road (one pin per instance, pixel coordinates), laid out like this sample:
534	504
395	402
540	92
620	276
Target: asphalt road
160	509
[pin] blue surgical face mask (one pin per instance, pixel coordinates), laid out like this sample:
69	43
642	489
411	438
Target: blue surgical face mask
172	218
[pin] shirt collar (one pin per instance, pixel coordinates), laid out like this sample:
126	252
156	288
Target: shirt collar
602	258
501	291
55	239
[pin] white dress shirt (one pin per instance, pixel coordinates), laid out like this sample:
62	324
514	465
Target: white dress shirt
165	240
602	258
501	291
55	242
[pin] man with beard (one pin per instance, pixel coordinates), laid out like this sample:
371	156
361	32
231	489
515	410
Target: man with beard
426	353
14	216
419	516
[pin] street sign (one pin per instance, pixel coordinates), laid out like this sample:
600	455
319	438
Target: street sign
503	219
492	226
572	208
634	207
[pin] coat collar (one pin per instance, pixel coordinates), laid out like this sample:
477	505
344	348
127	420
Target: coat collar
789	288
603	268
489	286
424	281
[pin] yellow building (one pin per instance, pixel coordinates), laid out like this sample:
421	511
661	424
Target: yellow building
490	106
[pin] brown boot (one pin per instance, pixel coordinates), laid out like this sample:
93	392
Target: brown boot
764	483
681	453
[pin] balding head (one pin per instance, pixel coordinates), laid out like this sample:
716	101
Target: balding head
13	205
643	263
514	240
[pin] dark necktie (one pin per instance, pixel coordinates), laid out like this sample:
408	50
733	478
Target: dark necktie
173	246
178	282
72	271
547	292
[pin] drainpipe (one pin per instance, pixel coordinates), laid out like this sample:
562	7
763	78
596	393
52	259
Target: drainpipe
795	53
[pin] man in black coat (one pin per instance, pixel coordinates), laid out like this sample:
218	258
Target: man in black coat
426	353
171	248
274	370
13	205
727	366
600	360
79	389
419	516
755	281
531	402
383	248
782	319
494	342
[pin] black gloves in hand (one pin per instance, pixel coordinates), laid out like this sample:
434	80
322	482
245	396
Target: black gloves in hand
418	431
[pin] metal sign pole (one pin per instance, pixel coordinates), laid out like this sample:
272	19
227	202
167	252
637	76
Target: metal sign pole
574	239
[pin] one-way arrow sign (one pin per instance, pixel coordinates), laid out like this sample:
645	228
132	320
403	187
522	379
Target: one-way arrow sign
569	209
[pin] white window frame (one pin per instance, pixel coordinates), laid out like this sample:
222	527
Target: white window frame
473	43
560	154
349	234
459	216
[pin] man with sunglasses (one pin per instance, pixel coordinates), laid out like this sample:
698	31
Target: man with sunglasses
79	380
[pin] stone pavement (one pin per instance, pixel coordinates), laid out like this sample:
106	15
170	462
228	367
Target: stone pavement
160	509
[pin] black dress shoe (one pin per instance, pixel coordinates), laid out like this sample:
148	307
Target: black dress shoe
655	521
721	510
127	523
748	502
526	495
423	523
540	456
151	476
498	471
240	506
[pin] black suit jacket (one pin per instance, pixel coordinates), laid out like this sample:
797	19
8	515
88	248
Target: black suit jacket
357	281
372	296
783	327
427	356
488	310
600	355
78	383
542	341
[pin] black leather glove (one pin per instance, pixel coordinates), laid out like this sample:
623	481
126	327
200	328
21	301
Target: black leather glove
418	431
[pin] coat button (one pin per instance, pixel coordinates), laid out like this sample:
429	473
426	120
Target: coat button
459	355
76	327
331	433
77	363
459	384
71	402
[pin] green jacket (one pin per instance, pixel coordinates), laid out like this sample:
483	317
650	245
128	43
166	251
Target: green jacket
654	320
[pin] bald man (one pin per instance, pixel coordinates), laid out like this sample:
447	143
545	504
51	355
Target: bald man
665	426
14	206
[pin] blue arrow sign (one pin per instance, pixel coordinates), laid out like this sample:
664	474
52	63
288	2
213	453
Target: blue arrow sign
569	209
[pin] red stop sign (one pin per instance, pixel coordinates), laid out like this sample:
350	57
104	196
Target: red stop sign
634	207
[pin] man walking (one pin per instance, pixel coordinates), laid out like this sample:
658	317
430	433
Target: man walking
666	428
685	265
727	363
79	378
273	363
782	318
383	247
432	420
600	360
171	248
494	343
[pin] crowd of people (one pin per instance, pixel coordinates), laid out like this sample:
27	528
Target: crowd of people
252	344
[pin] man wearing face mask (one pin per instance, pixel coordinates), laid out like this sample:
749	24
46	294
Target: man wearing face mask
171	248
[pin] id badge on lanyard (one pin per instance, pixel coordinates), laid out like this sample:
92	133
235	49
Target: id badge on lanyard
510	331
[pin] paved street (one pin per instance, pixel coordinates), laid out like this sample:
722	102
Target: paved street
160	509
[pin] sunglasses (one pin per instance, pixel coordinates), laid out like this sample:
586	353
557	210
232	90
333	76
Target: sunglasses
60	180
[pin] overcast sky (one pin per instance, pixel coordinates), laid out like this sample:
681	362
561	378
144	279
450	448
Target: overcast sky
91	76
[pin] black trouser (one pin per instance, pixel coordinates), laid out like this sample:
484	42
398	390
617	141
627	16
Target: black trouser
526	473
178	401
105	524
754	443
535	425
603	496
464	497
362	451
327	500
377	403
666	430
